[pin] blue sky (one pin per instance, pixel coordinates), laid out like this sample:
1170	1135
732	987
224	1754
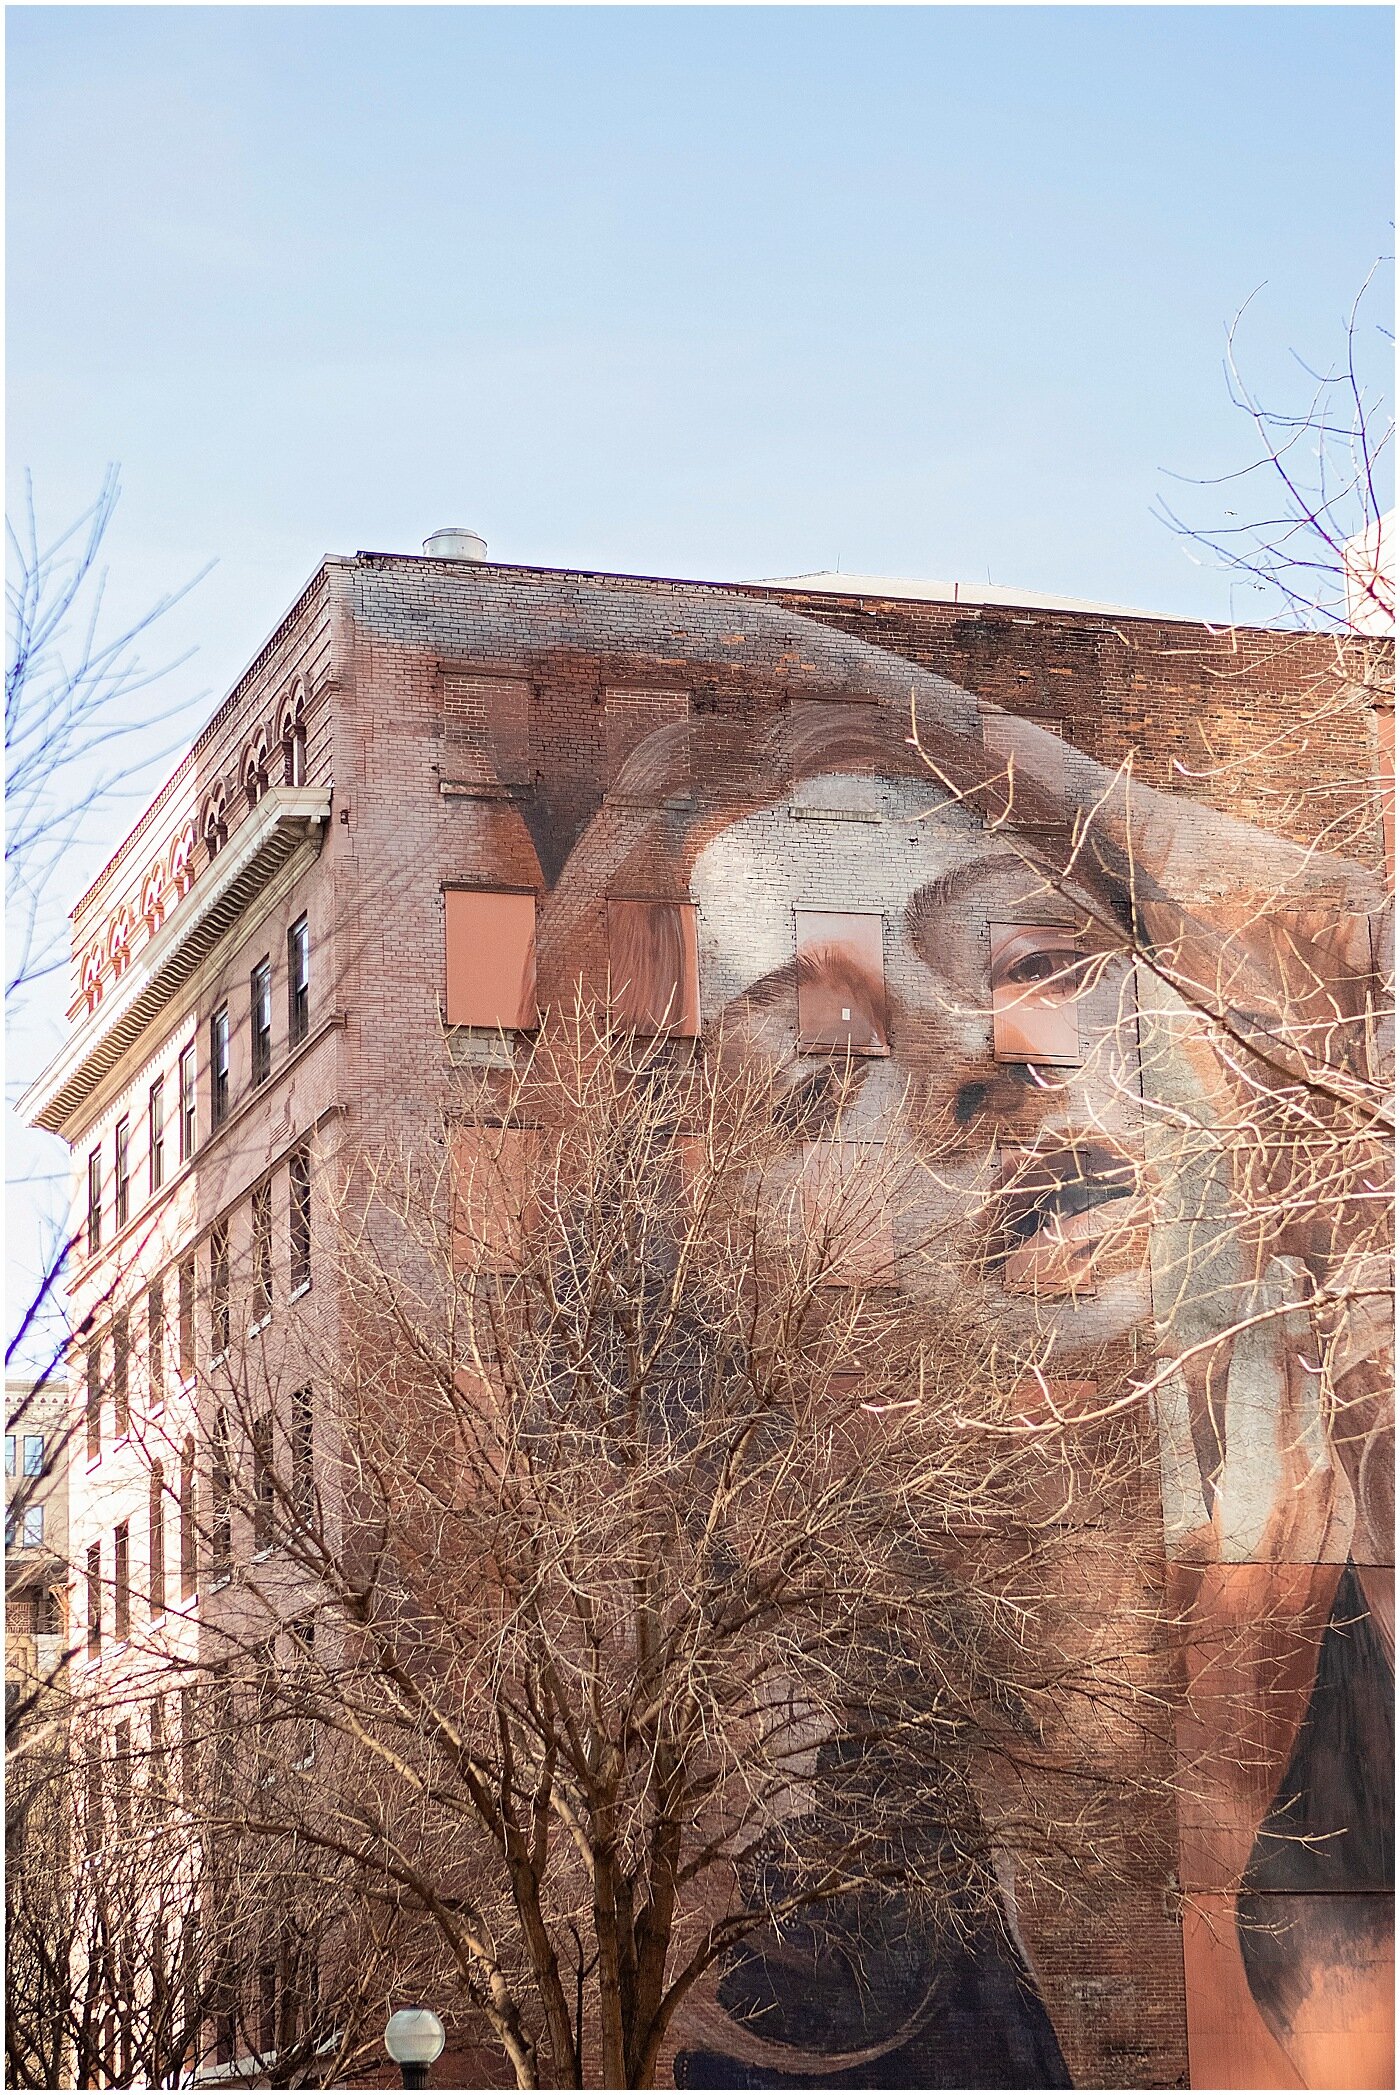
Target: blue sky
726	292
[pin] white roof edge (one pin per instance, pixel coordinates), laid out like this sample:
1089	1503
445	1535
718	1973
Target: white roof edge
74	1072
834	584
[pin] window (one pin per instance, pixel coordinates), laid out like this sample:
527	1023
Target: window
850	1230
33	1455
94	1203
303	1475
121	1376
299	1188
121	1778
123	1180
155	1121
298	982
188	1080
302	1633
215	829
841	1005
260	1020
1061	1209
94	1600
267	2010
156	1524
218	1067
93	1827
220	1318
220	1500
121	1582
189	1559
1036	976
9	1454
262	1253
185	1285
155	1341
33	1527
94	1401
158	1775
294	751
490	958
493	1208
189	1760
264	1483
653	974
264	1708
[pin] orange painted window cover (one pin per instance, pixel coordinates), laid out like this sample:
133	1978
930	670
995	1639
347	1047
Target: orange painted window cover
841	1002
490	958
493	1210
653	967
1036	977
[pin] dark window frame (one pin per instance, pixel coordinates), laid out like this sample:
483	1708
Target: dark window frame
188	1086
218	1068
155	1132
298	982
299	1220
94	1202
122	1171
260	1022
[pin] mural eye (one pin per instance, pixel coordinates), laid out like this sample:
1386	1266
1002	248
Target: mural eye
1036	967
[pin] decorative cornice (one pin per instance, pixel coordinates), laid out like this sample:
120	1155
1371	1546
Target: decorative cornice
285	820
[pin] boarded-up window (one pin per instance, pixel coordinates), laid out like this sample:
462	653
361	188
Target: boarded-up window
653	971
493	1211
486	732
490	958
629	717
845	1191
841	1006
1036	979
1064	1213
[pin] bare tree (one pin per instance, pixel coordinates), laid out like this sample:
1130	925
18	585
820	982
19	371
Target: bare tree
681	1582
70	713
1253	1042
146	1941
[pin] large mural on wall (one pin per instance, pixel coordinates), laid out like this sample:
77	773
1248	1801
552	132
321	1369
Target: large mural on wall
1139	1013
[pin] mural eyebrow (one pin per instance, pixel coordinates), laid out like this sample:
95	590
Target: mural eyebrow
931	900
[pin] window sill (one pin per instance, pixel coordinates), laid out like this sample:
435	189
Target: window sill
302	1288
260	1325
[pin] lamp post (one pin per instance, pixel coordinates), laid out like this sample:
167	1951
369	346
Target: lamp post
413	2038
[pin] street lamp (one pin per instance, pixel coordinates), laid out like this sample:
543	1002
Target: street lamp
413	2038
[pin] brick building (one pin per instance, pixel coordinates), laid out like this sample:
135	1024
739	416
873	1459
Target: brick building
399	838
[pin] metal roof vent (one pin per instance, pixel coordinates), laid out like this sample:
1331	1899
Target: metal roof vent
452	543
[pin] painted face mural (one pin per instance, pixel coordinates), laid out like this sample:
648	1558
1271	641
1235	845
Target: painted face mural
1060	1065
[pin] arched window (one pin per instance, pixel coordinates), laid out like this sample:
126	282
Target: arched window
182	860
92	978
153	899
119	939
215	827
255	774
293	732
